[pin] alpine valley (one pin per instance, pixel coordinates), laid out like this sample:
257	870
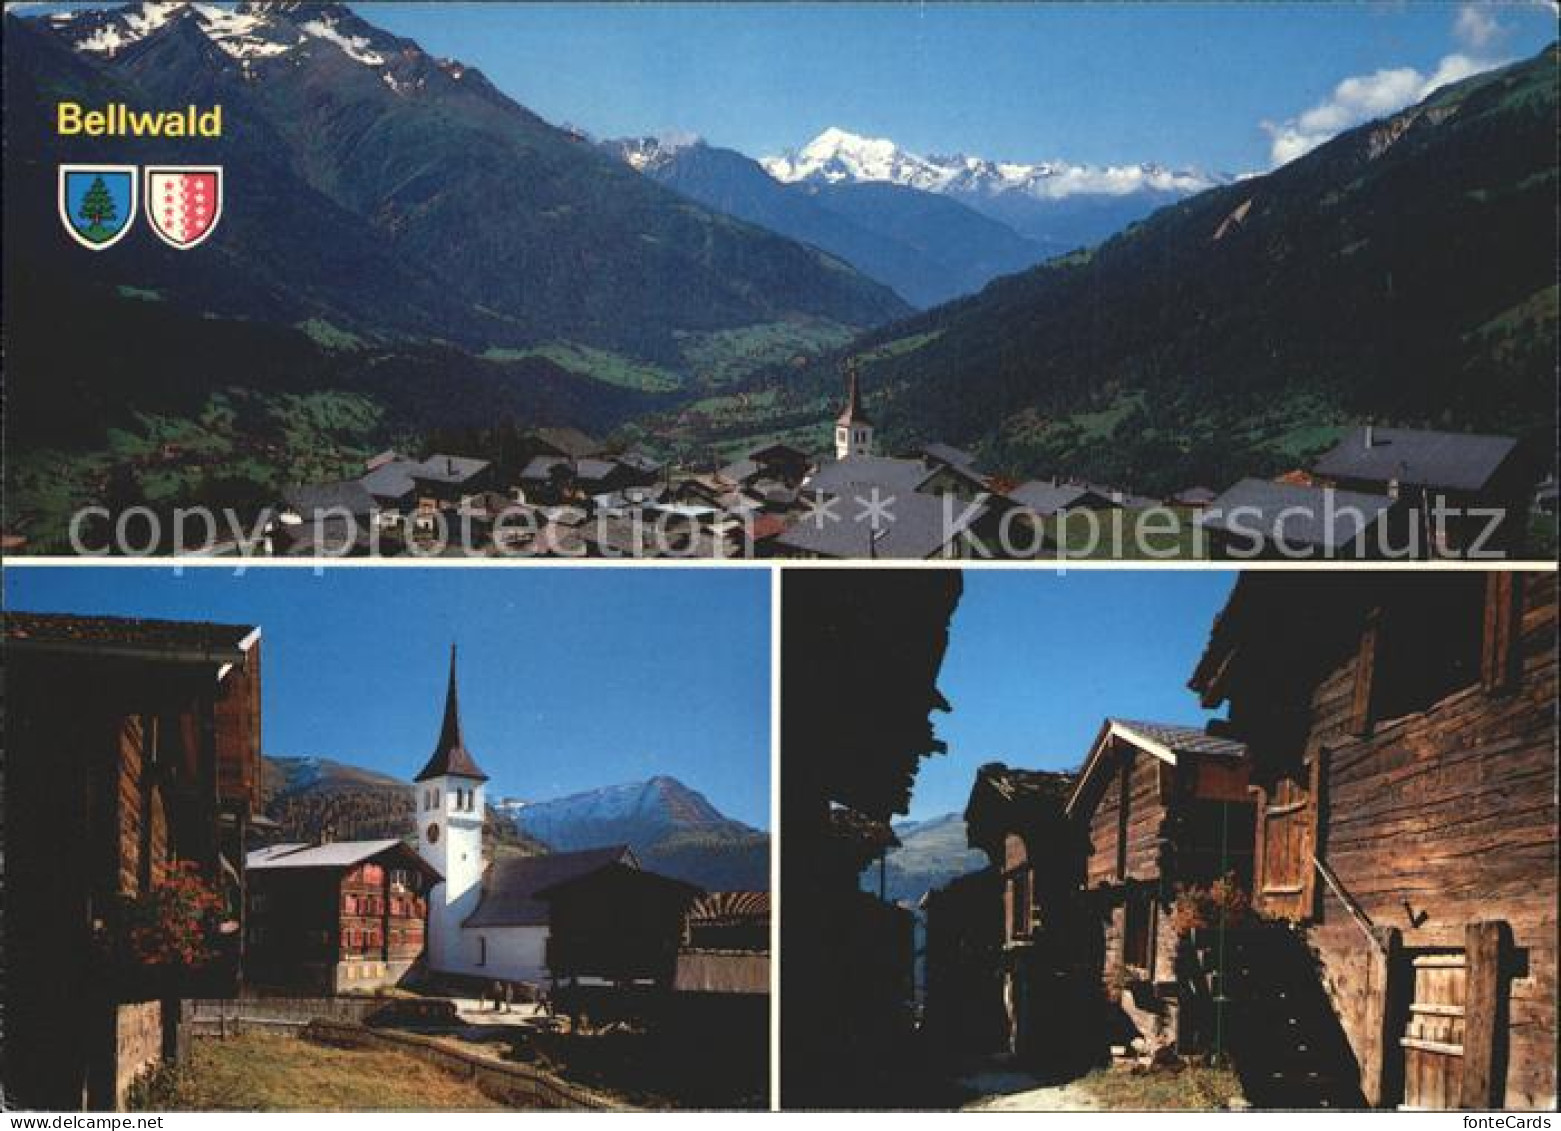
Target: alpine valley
1403	272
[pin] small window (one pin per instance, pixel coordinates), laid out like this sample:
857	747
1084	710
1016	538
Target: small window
1019	893
482	950
1137	931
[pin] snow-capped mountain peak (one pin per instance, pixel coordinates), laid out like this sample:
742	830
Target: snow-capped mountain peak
646	153
254	34
837	155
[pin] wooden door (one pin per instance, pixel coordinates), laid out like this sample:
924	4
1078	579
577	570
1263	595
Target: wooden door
1284	844
1433	1040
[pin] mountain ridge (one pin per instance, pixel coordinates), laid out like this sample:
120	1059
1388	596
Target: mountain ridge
672	828
928	247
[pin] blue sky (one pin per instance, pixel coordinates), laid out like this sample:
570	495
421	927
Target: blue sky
1207	85
570	678
1038	659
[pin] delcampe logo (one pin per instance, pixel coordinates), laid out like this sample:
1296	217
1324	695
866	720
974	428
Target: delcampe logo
97	203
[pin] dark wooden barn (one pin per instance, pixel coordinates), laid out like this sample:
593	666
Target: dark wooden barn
132	763
860	666
336	918
618	924
1401	731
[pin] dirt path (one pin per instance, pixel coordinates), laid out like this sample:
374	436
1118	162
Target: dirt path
1018	1091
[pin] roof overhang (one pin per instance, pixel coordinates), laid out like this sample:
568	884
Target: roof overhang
1109	730
224	658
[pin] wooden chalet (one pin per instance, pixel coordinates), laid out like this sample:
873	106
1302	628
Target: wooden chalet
445	480
1401	731
132	755
1161	808
335	918
782	463
1423	469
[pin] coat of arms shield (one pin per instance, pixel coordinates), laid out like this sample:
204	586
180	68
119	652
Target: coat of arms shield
184	203
97	203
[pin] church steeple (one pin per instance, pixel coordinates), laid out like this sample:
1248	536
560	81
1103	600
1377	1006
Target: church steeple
450	756
853	428
853	412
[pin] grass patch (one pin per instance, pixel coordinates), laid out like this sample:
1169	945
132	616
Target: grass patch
241	440
262	1072
726	356
1187	1087
329	335
899	347
597	364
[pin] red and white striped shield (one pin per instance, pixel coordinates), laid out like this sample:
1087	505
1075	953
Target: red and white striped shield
184	203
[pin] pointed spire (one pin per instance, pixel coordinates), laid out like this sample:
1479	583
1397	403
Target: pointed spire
852	413
451	755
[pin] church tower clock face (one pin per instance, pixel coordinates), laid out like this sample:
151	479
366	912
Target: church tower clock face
433	834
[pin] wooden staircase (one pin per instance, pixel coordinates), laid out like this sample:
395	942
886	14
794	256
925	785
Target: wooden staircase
1280	1031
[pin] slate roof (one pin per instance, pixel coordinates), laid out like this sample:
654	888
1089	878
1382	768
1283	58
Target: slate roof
1194	497
390	480
774	452
1050	498
721	972
271	850
1193	741
594	470
1450	460
540	468
341	854
1305	512
450	755
313	499
1180	741
511	884
642	462
949	454
389	455
1020	785
570	442
222	642
921	526
740	471
840	477
448	469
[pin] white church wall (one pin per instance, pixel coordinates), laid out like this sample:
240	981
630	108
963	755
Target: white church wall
511	954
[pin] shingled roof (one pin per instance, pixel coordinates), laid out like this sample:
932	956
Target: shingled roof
730	908
450	756
1299	515
174	640
340	854
510	887
1171	742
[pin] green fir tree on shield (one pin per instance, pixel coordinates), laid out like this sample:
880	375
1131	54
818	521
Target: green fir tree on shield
98	211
